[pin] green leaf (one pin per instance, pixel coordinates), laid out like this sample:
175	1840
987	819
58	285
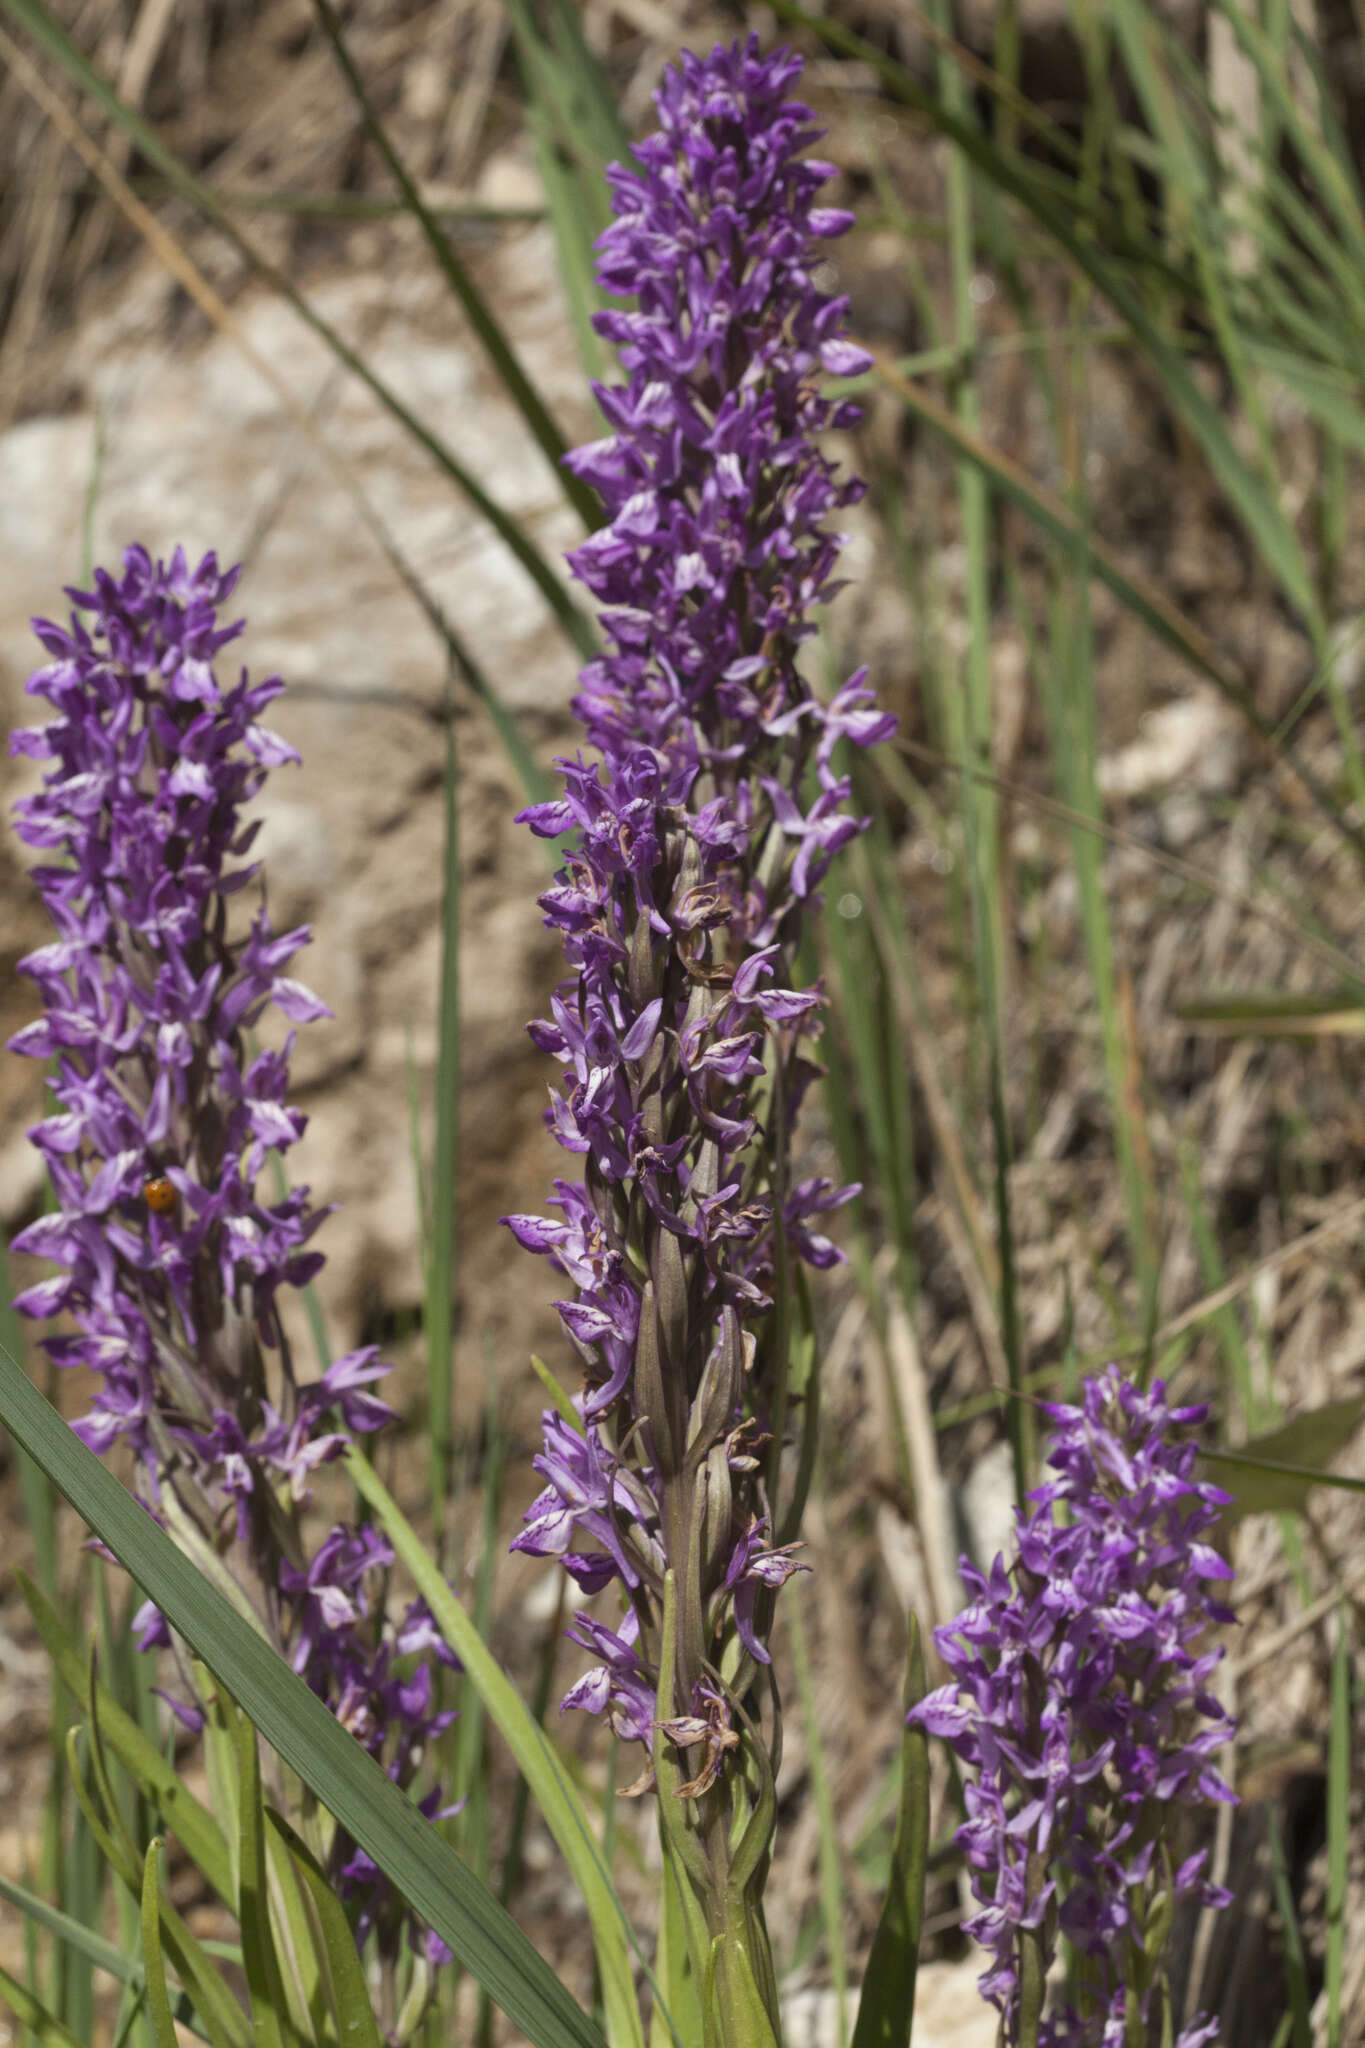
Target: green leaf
47	2031
224	2021
103	1954
1269	1013
263	1977
831	1875
1300	2028
560	1396
158	1999
192	1824
330	1762
348	1991
560	1807
1145	599
1272	1473
438	1327
1338	1827
479	313
49	35
887	2005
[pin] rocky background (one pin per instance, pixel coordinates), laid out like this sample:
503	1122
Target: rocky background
126	413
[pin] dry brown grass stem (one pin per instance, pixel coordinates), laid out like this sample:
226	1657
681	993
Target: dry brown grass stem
1258	906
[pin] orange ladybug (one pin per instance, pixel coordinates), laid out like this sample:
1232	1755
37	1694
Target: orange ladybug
159	1195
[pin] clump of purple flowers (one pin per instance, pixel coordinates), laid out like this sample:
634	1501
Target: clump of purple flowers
173	1261
700	831
1080	1702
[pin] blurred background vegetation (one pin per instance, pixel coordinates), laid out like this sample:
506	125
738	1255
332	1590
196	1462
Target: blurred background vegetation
1095	997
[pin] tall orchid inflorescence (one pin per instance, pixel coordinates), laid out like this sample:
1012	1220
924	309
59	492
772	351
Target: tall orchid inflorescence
1080	1703
699	836
173	1261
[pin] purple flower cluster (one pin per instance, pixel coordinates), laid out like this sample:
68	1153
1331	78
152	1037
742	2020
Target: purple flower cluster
1080	1700
172	1260
699	831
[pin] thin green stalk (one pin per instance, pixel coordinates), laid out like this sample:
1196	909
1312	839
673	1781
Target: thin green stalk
1338	1827
831	1873
48	34
477	309
970	717
442	1249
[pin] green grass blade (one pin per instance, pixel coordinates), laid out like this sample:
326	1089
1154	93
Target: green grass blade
439	1321
48	34
224	2021
1295	1964
1068	684
347	1989
969	711
1338	1827
192	1823
1149	603
264	1982
44	2027
564	77
560	1807
477	310
38	1495
573	246
886	2007
104	1955
296	1724
831	1875
575	129
1258	511
154	1963
560	1397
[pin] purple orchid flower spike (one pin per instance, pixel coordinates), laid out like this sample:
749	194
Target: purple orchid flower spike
1080	1703
701	825
172	1262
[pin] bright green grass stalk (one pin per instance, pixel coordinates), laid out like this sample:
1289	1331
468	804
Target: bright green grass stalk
1338	1825
309	1740
1066	676
48	34
576	130
441	1255
476	308
969	712
1298	2027
831	1874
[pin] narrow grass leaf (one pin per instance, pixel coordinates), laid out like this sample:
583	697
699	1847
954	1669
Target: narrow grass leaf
831	1875
1300	2030
1258	511
264	1981
51	37
1275	1471
193	1825
154	1963
559	1396
1338	1827
478	312
560	1807
225	2023
349	1783
886	2007
43	2026
347	1989
1143	598
439	1321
